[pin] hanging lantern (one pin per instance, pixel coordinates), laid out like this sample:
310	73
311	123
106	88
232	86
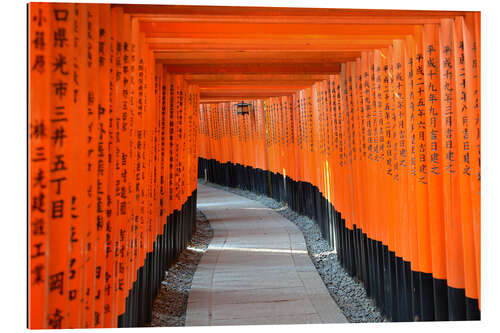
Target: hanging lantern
243	108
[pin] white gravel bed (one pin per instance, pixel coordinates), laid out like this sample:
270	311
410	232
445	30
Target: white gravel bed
169	306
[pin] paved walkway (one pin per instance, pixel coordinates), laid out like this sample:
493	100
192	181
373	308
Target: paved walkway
256	269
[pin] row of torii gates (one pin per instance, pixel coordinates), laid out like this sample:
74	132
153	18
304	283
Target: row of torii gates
366	120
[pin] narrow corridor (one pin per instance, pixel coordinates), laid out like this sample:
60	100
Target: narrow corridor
256	269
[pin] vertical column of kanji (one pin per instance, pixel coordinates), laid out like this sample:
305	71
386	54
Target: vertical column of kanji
387	173
403	268
284	134
353	158
161	73
301	136
279	136
61	102
372	145
476	151
365	169
327	145
391	167
79	237
333	131
350	155
320	161
397	108
185	118
288	158
290	143
187	125
39	168
294	133
356	151
342	111
125	203
101	57
318	125
82	264
183	155
411	148
421	186
435	187
213	121
175	131
109	61
147	160
189	109
374	82
197	124
276	135
360	188
268	114
447	120
80	257
170	95
195	135
140	178
292	170
365	128
156	109
339	166
133	264
180	143
190	127
118	185
273	132
309	169
391	177
175	145
471	132
464	171
350	150
379	140
380	152
361	155
298	137
153	101
329	161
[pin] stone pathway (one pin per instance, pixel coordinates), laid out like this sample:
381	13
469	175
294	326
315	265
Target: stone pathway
256	269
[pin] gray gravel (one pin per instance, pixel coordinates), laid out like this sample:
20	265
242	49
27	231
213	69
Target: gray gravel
169	306
348	293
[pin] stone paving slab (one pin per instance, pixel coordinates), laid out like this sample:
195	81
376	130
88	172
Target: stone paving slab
256	269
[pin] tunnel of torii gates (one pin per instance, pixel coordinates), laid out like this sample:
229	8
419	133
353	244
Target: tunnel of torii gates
368	121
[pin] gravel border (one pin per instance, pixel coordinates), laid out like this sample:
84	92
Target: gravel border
169	306
349	294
